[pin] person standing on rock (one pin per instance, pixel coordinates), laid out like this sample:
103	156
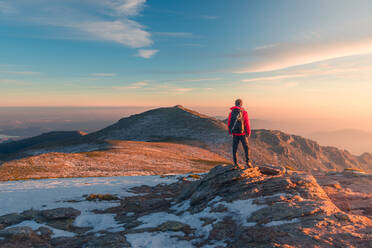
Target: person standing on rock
240	129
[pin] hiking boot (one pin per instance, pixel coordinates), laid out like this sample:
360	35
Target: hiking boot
239	166
249	165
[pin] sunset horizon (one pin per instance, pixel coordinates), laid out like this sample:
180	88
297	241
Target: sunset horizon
185	123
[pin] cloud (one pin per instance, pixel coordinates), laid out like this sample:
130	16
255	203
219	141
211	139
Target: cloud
14	82
287	55
182	90
20	72
125	32
135	85
332	68
127	7
5	8
276	77
264	47
193	80
146	53
174	34
103	74
109	21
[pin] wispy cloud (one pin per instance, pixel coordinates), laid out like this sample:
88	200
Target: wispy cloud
146	53
192	80
264	47
276	77
5	8
15	82
174	34
318	69
136	85
182	90
27	73
125	32
103	74
111	20
287	55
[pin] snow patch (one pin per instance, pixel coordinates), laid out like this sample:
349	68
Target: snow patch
157	239
34	226
241	210
215	244
282	222
98	222
181	207
18	196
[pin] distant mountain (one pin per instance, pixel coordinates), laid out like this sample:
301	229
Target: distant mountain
301	153
356	141
181	125
24	147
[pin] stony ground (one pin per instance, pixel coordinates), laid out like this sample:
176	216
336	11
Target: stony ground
228	207
124	158
352	193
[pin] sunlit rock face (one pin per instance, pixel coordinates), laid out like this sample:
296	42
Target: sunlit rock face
266	206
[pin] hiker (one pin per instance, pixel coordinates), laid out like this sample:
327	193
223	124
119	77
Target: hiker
239	127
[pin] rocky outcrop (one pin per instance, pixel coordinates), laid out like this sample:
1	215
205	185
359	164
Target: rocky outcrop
266	206
259	207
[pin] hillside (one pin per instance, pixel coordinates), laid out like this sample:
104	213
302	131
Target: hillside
123	158
178	125
269	146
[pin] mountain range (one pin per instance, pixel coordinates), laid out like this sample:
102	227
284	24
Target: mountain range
179	125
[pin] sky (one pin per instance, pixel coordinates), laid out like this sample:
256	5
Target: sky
284	58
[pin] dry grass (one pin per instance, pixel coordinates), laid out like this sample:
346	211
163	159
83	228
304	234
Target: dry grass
125	158
354	169
101	197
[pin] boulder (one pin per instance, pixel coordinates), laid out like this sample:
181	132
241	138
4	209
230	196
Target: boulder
60	213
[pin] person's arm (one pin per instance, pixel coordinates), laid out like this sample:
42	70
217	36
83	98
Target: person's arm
247	124
228	123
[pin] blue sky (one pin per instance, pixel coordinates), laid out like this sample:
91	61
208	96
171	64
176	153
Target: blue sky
293	57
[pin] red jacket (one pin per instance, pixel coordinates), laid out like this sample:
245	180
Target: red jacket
247	126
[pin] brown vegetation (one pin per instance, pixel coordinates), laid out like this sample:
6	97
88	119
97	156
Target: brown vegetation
125	158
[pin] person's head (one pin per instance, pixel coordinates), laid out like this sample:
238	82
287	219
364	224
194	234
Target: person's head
238	102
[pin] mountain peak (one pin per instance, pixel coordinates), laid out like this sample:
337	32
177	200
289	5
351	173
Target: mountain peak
164	124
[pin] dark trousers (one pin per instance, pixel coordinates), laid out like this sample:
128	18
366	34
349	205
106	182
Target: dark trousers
244	141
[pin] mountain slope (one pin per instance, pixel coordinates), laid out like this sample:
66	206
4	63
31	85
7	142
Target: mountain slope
166	124
280	148
123	158
180	125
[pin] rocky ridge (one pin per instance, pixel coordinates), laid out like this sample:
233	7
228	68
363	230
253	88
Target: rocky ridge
228	207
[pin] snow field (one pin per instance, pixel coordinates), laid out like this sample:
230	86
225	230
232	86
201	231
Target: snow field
18	196
34	226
